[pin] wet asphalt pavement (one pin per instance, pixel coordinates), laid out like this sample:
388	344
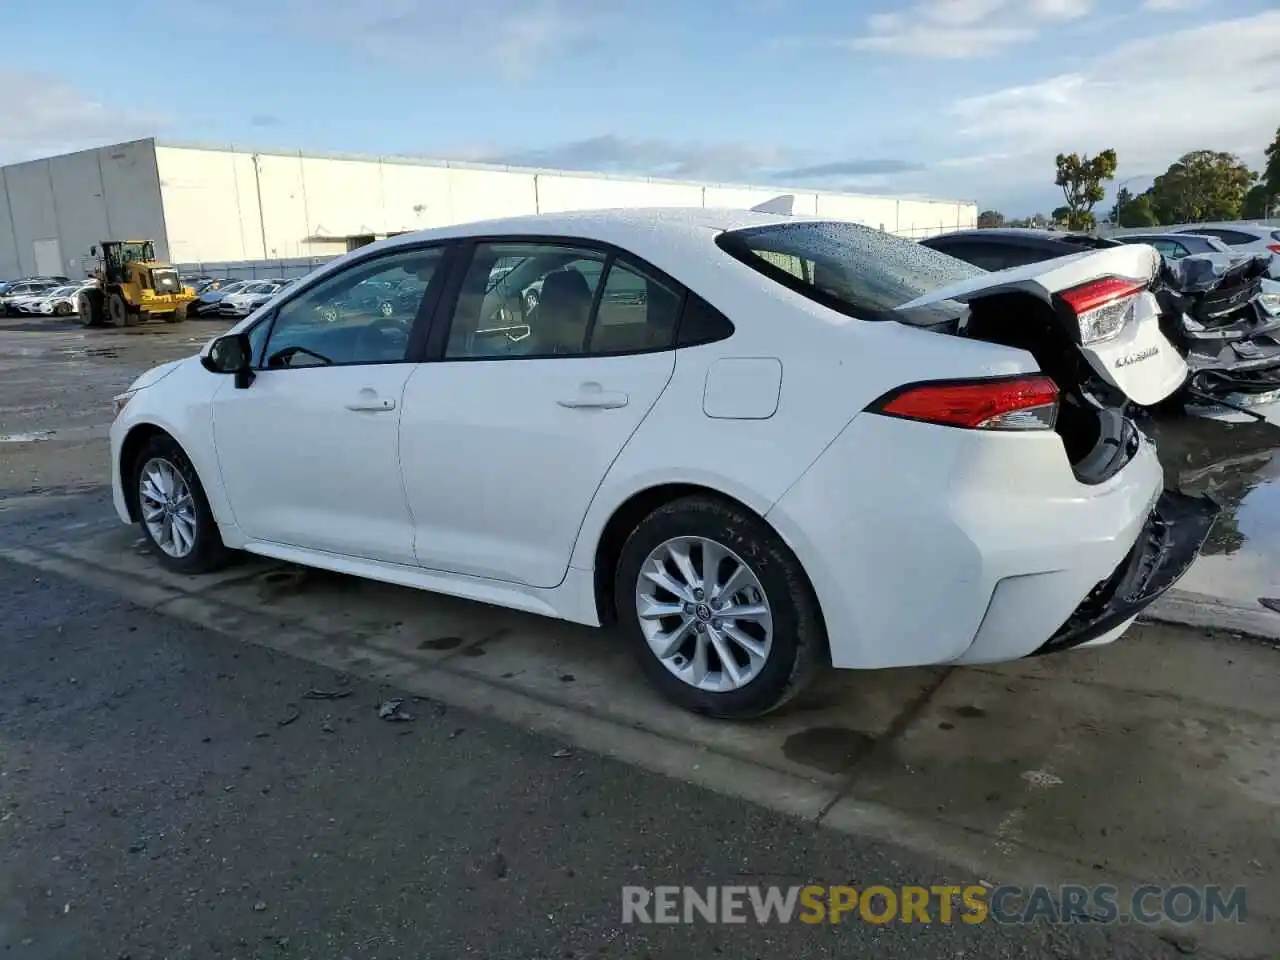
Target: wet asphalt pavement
167	793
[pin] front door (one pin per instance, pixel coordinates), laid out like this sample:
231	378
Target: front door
554	357
309	451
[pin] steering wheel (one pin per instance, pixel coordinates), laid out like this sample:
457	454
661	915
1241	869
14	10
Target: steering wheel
383	335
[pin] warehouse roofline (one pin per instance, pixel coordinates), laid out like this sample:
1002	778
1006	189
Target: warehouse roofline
545	171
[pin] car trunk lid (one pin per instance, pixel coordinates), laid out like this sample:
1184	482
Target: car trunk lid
1102	302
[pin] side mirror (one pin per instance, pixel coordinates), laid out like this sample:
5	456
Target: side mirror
231	354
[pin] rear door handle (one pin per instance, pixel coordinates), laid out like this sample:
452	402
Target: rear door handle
370	402
596	401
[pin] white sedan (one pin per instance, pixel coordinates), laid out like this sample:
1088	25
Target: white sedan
760	444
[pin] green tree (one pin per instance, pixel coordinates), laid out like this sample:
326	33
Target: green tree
1139	212
1201	185
1123	198
1081	178
1271	173
1259	202
1060	215
991	218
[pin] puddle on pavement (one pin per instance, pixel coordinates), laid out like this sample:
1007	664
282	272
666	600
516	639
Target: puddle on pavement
829	749
1238	465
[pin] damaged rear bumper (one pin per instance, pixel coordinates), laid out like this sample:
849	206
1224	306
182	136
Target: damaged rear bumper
1167	546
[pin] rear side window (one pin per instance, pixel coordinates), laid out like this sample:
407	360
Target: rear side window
702	323
844	266
1233	237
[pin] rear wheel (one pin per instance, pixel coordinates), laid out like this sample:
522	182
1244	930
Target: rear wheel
718	610
89	308
173	511
179	314
118	312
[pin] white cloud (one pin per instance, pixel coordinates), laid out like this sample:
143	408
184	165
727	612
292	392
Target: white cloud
964	29
1214	87
495	37
1171	4
41	115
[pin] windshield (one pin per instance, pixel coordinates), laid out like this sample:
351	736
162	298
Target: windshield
63	291
235	287
850	268
260	288
137	250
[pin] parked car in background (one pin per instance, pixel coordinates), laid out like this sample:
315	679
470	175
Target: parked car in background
23	290
61	301
213	283
784	444
248	298
1175	246
1004	247
208	300
1243	238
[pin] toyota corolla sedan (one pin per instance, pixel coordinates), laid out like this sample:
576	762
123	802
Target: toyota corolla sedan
761	445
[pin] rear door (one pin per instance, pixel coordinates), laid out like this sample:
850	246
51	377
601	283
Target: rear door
550	358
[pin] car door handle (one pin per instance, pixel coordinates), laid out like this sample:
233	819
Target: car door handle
596	401
372	405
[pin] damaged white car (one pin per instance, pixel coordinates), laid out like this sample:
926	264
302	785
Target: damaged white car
763	445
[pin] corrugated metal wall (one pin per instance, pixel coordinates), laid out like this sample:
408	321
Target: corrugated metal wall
231	205
78	199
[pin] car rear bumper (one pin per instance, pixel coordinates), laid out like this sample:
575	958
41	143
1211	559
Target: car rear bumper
1167	546
929	545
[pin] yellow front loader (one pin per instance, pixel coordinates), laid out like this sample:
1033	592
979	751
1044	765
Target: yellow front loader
132	287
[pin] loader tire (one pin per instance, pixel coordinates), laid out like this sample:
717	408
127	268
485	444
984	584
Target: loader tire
178	316
119	314
89	308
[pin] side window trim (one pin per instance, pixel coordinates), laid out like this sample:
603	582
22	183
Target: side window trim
437	338
610	259
426	306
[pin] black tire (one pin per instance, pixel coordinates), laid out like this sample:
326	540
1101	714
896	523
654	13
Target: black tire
799	647
179	314
118	312
62	310
208	553
89	308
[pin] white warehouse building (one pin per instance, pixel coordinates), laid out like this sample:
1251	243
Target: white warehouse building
204	205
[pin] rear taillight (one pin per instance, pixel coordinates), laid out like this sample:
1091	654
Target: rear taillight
1101	306
1005	403
1274	247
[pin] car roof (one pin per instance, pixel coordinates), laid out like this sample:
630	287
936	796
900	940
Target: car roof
612	225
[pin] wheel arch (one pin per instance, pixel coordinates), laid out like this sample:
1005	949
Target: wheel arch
627	516
130	448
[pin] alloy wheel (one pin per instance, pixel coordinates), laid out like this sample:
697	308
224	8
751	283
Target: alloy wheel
704	614
168	508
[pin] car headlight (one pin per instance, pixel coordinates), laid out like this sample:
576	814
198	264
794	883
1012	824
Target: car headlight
121	400
1270	303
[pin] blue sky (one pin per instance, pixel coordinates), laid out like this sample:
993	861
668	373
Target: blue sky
957	98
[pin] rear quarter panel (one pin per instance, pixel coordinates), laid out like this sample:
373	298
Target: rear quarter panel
833	366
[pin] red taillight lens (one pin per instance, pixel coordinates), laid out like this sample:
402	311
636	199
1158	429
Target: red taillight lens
1099	293
1009	403
1274	247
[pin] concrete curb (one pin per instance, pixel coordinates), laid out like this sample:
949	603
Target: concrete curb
1205	612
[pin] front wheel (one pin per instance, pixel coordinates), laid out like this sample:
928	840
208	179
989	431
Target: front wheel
178	316
718	610
173	511
62	310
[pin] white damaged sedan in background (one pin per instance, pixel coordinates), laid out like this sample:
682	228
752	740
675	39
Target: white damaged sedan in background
761	445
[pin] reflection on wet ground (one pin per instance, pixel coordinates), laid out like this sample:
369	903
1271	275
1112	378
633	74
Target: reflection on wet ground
1237	464
57	380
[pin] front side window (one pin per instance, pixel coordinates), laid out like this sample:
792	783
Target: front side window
850	268
362	314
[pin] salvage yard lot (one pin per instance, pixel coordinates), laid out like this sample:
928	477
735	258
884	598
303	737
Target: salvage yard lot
1155	760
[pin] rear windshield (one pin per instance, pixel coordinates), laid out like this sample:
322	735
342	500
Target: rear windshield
856	270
